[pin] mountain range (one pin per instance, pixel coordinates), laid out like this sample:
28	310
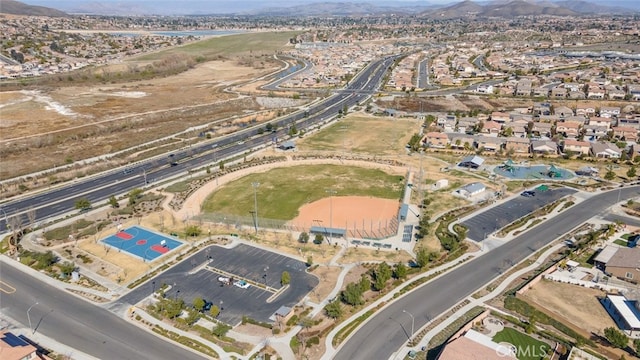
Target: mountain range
304	8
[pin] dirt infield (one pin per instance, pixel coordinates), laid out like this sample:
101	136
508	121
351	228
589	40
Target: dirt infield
348	212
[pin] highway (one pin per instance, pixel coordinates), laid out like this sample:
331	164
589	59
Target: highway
61	200
390	328
80	324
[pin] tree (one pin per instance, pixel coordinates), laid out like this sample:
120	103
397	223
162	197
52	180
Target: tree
285	279
82	204
134	195
198	303
192	230
616	338
192	317
333	310
636	346
318	239
381	275
400	271
610	175
631	173
352	294
66	268
423	257
309	260
113	202
221	330
214	311
303	238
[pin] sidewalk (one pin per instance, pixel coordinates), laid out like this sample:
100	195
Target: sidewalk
477	302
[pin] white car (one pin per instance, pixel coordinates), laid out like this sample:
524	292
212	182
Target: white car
241	284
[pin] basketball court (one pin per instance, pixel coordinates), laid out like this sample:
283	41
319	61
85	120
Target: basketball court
141	243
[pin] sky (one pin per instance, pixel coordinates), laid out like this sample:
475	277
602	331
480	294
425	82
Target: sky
167	7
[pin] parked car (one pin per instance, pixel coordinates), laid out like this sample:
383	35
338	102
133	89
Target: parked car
224	280
528	193
241	284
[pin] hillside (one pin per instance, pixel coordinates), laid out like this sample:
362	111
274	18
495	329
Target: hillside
17	8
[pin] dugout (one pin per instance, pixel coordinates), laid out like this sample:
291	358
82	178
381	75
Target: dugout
328	232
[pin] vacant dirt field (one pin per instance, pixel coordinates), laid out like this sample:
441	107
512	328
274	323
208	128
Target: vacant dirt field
574	304
328	276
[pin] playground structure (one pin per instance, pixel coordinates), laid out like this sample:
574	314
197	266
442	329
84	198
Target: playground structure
542	172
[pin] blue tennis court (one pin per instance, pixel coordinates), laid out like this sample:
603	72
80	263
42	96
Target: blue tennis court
142	243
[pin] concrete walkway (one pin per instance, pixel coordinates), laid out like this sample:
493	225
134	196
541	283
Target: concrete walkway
477	302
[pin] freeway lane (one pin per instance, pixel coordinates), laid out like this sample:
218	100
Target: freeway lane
79	324
390	328
102	186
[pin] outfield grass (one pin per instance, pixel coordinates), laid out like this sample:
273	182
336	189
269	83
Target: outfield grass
283	191
229	45
528	347
357	133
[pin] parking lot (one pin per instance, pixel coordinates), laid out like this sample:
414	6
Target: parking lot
497	217
243	262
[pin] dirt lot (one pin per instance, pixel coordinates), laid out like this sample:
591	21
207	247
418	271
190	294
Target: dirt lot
571	303
46	127
328	276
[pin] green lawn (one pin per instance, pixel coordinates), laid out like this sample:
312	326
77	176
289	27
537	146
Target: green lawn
283	191
620	242
229	45
528	347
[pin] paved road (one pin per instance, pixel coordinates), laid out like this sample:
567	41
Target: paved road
388	330
61	200
79	324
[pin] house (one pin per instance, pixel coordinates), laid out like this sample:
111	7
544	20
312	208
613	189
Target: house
594	132
625	312
570	129
491	128
523	88
14	347
586	110
484	89
595	91
605	150
624	264
545	147
542	129
633	122
471	162
602	121
615	92
518	145
541	91
609	111
634	150
500	117
436	140
518	130
475	346
625	133
634	92
541	109
563	111
446	123
472	189
467	124
558	92
581	119
489	143
549	118
459	141
575	146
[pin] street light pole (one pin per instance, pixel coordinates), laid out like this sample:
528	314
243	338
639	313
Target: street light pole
215	162
29	317
255	203
331	192
413	321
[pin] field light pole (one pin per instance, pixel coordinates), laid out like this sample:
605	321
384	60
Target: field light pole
29	317
255	203
331	192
